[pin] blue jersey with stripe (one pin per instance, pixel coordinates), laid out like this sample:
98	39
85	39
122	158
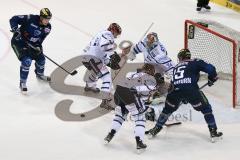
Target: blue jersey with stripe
31	30
186	73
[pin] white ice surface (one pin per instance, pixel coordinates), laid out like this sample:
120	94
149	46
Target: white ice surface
29	129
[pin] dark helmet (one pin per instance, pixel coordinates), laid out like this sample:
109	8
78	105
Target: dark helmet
184	54
115	27
45	13
148	68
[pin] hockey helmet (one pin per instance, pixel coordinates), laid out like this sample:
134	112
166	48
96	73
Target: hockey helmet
45	13
114	27
184	54
148	68
151	38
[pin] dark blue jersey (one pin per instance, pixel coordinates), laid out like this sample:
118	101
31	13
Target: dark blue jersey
186	73
31	30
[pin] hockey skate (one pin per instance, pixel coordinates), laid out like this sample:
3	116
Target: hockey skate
214	135
43	78
199	9
207	7
140	145
153	132
150	115
109	137
92	89
23	87
106	104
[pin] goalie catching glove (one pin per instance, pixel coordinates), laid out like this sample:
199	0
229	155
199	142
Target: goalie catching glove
212	80
159	78
114	60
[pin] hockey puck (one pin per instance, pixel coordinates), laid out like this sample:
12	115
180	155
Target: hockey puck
82	115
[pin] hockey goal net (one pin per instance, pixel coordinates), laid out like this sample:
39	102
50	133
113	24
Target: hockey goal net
219	45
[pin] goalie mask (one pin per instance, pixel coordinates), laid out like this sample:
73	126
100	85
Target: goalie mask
149	69
151	39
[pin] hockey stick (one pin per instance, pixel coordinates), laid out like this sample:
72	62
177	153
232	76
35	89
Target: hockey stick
206	84
126	54
167	125
172	124
71	73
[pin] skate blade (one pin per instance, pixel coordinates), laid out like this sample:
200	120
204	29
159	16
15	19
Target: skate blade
140	151
150	136
106	142
44	80
215	139
24	93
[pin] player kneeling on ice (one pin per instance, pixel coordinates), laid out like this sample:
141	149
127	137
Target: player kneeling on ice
27	43
97	56
154	53
128	99
185	88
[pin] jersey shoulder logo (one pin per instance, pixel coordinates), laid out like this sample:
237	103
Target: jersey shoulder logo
47	30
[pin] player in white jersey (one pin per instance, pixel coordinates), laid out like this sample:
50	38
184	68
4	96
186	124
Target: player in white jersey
128	99
98	55
154	53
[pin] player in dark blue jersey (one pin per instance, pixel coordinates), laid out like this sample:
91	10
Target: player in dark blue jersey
185	89
29	31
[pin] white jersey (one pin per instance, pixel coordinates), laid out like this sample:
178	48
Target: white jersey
101	46
156	54
138	81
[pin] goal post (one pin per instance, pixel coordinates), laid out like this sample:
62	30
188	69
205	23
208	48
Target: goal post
219	45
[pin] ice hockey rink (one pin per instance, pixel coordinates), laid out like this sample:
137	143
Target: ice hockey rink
29	128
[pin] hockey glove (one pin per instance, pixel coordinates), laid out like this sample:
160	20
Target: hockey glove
38	50
113	66
16	32
159	78
211	81
150	115
35	50
114	60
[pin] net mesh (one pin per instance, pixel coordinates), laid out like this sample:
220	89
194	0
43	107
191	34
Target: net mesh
215	49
